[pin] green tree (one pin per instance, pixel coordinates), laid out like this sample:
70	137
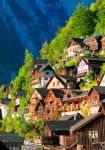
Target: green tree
89	77
3	94
83	21
44	50
22	81
103	69
84	108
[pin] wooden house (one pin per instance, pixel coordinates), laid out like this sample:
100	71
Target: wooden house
74	47
90	131
94	43
86	64
96	95
41	75
37	105
61	82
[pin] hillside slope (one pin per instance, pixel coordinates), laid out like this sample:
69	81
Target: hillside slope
27	24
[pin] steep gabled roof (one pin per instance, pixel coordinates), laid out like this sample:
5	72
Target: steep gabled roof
42	91
58	77
99	89
84	122
76	40
92	61
47	66
58	93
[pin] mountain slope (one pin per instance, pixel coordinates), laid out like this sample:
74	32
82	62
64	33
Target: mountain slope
27	24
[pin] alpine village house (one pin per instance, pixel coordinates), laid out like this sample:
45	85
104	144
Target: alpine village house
57	99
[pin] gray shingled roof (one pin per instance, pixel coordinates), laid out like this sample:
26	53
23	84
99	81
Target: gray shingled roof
61	125
42	91
59	93
45	67
84	121
10	137
100	89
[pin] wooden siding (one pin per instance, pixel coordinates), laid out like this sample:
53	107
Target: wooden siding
83	134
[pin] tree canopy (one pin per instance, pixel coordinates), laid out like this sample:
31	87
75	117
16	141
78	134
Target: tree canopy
23	79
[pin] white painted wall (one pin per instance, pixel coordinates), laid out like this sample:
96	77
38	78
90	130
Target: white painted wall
103	81
82	67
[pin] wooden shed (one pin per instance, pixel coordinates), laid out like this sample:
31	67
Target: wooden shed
54	129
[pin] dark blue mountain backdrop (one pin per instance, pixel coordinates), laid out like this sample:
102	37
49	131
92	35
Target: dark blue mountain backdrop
27	24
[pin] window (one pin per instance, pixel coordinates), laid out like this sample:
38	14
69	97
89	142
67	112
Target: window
53	83
57	82
93	134
47	73
94	98
48	111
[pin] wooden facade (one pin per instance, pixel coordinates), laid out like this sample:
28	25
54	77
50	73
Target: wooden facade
74	47
96	95
37	105
90	131
53	102
94	43
86	64
56	82
75	101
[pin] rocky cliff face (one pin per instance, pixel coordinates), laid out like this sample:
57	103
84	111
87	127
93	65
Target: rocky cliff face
27	24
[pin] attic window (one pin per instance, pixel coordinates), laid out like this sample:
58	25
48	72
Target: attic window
53	83
57	82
